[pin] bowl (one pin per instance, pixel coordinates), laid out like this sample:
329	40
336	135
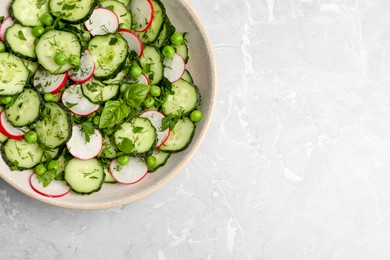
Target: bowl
202	67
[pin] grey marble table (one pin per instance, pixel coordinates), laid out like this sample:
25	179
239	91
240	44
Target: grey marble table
296	164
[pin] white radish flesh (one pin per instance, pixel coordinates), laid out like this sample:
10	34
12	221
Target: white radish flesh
131	173
174	68
9	130
55	189
84	149
102	21
46	82
142	11
86	69
156	118
133	41
77	103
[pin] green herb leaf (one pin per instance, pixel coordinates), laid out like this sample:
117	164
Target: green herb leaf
113	41
68	7
113	112
135	94
126	146
88	130
21	35
169	122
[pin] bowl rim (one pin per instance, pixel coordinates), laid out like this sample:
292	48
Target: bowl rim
179	168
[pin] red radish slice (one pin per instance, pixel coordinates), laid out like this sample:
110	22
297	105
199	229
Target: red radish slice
8	22
4	8
133	41
142	11
9	130
46	82
82	149
86	69
143	79
55	189
174	68
77	103
131	173
156	118
102	21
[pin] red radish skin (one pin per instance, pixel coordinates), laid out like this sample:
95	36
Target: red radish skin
46	82
148	15
77	104
174	68
131	173
8	22
86	70
80	148
133	41
56	189
8	130
102	21
143	79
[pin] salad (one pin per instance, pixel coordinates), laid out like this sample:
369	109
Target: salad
92	92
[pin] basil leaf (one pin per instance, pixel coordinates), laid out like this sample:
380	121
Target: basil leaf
135	94
88	129
126	146
113	112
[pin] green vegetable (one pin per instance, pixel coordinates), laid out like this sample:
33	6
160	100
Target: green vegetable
155	91
48	97
196	116
88	130
2	47
31	137
135	94
148	102
177	38
126	146
74	60
151	162
53	165
60	59
135	71
113	112
47	19
6	100
37	31
123	160
96	120
168	52
40	169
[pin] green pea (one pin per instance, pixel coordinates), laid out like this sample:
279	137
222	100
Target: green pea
48	97
47	19
196	116
40	169
123	160
74	60
2	47
37	31
151	162
96	120
31	137
53	165
60	59
177	38
155	91
168	52
148	102
6	100
135	71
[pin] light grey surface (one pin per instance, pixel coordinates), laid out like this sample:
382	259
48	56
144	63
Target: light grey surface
296	164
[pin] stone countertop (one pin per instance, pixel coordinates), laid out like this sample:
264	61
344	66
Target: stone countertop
296	164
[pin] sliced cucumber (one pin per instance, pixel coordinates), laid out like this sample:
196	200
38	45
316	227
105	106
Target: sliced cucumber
151	63
162	158
187	76
136	137
28	12
120	10
182	50
25	109
21	155
13	74
98	92
183	99
55	128
180	137
109	150
165	34
32	66
151	34
109	52
53	42
72	11
84	177
21	41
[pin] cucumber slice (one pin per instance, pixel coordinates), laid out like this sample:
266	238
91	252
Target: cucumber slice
55	128
183	99
151	34
21	41
136	137
187	77
98	92
151	63
182	50
120	10
84	176
109	52
53	42
162	158
13	74
28	12
20	154
25	109
72	11
180	137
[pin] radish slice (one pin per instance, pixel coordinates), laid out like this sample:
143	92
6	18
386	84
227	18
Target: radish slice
4	8
82	149
131	173
86	69
55	189
102	21
133	41
8	22
77	103
9	130
174	68
46	82
156	118
143	79
142	11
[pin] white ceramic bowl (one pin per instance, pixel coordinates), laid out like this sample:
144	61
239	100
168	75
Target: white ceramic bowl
201	65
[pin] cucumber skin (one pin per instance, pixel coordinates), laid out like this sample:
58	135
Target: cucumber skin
8	162
162	164
184	147
93	6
